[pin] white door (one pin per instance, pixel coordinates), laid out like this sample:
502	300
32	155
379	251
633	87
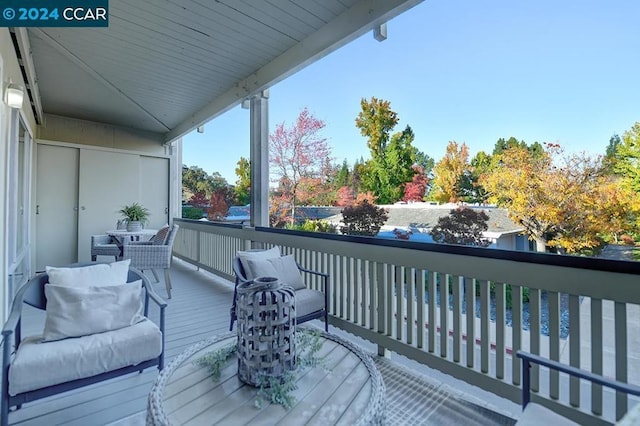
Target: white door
56	206
154	189
108	182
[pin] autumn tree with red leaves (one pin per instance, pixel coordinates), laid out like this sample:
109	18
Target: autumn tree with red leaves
297	153
199	199
346	196
218	207
415	190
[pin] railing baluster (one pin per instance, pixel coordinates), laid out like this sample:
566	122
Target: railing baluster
344	286
372	301
620	315
500	329
335	283
411	301
553	298
351	278
534	335
432	311
470	297
380	284
596	353
444	314
457	317
400	301
485	323
364	293
388	299
420	293
357	280
360	294
516	330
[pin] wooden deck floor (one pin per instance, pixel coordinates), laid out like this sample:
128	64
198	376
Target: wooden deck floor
199	309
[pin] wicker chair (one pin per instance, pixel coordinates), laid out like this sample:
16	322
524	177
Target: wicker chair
152	255
103	245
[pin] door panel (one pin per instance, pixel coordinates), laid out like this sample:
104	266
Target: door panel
154	189
108	182
56	206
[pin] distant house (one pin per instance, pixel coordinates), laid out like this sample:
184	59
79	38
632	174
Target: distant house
420	218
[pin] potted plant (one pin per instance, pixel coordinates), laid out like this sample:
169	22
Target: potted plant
136	215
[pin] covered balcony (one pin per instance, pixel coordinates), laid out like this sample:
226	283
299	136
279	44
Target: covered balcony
100	126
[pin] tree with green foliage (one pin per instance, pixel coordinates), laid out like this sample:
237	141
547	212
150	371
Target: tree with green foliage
243	184
462	226
363	218
343	176
195	179
627	158
471	189
392	156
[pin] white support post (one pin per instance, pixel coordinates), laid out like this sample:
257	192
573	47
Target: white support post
259	153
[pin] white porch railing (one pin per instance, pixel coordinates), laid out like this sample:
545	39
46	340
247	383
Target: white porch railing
390	293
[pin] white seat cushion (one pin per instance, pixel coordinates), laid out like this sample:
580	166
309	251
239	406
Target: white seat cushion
40	364
308	301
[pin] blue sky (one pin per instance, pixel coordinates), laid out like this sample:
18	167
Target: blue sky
470	71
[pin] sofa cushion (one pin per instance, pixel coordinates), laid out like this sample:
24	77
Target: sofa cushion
256	255
308	301
70	359
284	268
94	275
80	311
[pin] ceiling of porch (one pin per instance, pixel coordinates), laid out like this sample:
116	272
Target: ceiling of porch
169	66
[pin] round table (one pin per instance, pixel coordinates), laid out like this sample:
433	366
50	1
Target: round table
123	236
348	390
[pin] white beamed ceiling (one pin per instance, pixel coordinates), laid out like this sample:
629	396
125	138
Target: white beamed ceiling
167	66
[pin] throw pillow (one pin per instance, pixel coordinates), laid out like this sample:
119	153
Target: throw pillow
288	272
256	255
284	268
160	238
94	275
80	311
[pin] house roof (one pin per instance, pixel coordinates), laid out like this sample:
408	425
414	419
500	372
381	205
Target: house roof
170	66
424	217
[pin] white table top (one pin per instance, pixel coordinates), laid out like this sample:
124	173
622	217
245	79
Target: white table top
125	233
348	391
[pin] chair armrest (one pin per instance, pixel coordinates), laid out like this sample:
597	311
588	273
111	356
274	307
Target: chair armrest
325	277
155	297
147	249
13	320
322	274
529	358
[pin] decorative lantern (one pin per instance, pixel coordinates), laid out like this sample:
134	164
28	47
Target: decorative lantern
266	330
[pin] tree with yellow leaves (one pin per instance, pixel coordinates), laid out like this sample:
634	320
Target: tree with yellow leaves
566	202
449	173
